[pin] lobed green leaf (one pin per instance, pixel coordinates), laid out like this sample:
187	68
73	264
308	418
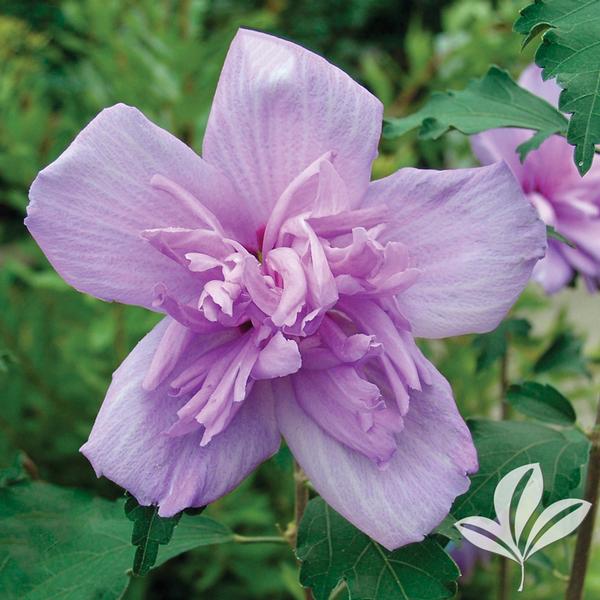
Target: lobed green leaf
487	103
333	550
149	531
570	30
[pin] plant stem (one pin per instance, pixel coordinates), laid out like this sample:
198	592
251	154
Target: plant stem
300	499
586	530
504	577
265	539
300	502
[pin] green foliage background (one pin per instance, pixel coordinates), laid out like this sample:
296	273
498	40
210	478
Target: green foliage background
61	61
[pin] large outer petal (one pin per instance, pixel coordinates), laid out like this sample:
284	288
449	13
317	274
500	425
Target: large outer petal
128	444
404	502
278	107
89	207
475	237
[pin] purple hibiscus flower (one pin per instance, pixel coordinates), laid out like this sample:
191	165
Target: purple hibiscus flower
564	200
292	289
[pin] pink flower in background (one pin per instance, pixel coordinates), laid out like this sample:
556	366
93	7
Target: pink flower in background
564	200
292	289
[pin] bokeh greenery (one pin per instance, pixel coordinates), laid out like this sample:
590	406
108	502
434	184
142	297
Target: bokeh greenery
62	61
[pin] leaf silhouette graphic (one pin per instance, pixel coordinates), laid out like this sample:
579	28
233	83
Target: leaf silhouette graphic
529	501
530	498
483	541
560	529
502	538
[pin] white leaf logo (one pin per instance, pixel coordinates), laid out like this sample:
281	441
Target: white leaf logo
504	536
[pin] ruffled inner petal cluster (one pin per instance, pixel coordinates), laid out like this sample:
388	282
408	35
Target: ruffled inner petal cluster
317	291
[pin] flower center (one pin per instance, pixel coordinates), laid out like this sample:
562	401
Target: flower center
318	294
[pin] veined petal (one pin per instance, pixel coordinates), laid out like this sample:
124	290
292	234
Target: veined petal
332	196
169	351
278	358
286	264
347	407
230	391
404	502
474	237
297	196
398	345
128	444
187	315
89	207
344	222
278	107
177	242
322	292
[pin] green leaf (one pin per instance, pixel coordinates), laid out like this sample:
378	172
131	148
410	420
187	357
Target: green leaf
564	354
493	101
331	550
65	544
541	402
492	346
149	531
552	233
569	52
505	445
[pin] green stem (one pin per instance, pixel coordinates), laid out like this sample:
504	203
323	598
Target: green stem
583	545
300	498
300	502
